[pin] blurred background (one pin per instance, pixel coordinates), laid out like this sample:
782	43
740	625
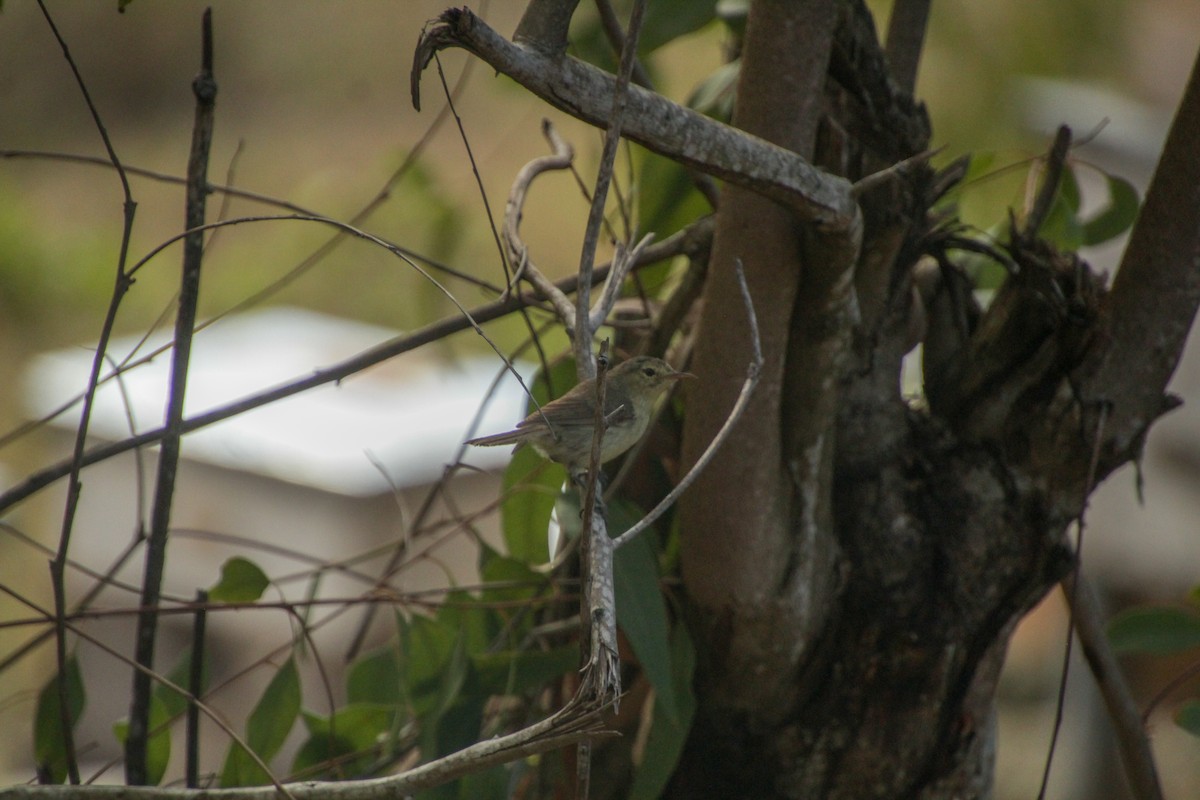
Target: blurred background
313	107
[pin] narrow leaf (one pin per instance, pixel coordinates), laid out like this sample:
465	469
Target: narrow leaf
172	701
47	726
1154	630
158	745
269	724
668	733
641	610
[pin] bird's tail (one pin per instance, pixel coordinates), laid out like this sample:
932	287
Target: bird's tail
511	437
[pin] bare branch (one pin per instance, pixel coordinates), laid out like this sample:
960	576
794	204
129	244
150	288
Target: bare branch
544	25
74	488
204	87
523	266
906	40
564	728
623	262
585	328
1056	162
1132	741
651	120
1155	293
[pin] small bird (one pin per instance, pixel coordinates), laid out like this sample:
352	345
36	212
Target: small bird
630	389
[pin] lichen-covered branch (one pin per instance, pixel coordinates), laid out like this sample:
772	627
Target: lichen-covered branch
651	120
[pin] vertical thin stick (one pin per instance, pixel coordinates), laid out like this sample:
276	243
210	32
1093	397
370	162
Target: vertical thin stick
74	487
1088	485
205	89
196	687
584	363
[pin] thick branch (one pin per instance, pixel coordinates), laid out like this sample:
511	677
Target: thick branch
544	25
906	40
1155	294
761	587
651	120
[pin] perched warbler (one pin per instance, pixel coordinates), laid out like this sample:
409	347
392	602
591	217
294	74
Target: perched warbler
630	389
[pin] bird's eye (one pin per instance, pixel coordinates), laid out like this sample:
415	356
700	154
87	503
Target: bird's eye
649	372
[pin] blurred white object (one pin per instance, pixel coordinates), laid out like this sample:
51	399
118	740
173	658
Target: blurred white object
409	414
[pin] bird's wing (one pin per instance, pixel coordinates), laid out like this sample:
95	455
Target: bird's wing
570	410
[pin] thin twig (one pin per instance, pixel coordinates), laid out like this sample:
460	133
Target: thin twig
350	229
561	158
1055	164
1132	742
1080	525
209	712
487	206
623	261
584	364
204	87
616	39
753	370
195	688
74	488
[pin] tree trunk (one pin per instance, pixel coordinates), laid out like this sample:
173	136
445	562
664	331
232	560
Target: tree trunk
855	567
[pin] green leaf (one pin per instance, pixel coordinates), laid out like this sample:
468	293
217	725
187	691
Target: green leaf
510	580
514	672
667	20
1157	631
1068	189
172	701
269	724
325	757
241	582
47	725
426	648
1188	716
158	745
376	678
453	676
359	723
1062	226
668	733
1115	218
667	201
641	610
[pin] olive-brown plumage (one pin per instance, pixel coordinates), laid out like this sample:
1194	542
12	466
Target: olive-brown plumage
630	389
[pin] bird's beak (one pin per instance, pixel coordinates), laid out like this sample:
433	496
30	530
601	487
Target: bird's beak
676	376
